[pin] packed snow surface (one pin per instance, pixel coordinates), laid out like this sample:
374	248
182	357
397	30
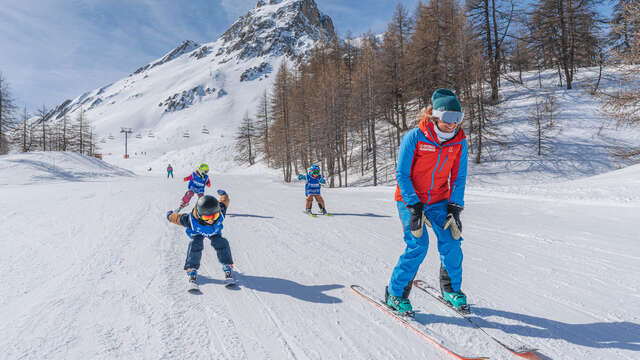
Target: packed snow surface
91	269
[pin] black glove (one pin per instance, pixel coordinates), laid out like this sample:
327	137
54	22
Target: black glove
453	220
416	221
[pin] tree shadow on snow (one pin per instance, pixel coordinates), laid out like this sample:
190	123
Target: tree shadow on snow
310	293
621	335
364	214
249	215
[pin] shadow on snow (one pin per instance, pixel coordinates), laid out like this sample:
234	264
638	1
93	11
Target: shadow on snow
249	215
310	293
364	214
620	335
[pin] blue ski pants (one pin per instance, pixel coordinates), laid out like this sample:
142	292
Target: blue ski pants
416	249
194	253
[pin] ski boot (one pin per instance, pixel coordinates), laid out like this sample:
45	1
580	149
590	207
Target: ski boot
457	300
192	275
307	211
229	280
323	211
182	206
400	304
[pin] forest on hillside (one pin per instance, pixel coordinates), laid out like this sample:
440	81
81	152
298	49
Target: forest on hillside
347	106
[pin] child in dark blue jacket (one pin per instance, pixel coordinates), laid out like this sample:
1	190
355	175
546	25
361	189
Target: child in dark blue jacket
205	220
312	188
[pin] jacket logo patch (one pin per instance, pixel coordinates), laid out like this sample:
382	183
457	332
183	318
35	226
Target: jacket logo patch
426	147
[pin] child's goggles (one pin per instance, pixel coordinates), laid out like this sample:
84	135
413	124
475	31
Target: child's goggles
315	172
213	217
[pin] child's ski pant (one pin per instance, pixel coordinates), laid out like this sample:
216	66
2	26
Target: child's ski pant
187	197
194	253
416	249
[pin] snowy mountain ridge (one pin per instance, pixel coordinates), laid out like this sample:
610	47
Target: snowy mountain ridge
289	27
185	47
203	89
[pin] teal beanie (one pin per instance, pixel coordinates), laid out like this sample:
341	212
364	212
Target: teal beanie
445	100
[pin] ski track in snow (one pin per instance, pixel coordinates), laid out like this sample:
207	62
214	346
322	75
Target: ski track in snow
95	271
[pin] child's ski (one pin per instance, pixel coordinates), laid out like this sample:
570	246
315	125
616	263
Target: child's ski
410	323
511	344
230	282
193	287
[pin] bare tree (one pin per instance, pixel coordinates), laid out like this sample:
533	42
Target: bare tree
543	124
21	135
280	108
624	26
7	114
42	117
623	104
245	141
567	31
263	121
491	20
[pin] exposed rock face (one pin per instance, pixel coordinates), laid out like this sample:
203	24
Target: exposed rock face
256	72
201	52
185	47
278	27
185	99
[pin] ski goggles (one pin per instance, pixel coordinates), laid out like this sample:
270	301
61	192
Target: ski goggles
315	172
449	117
211	217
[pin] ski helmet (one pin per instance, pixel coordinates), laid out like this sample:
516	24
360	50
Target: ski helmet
207	206
203	168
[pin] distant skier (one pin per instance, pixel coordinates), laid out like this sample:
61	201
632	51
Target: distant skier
205	220
169	171
312	188
197	181
431	176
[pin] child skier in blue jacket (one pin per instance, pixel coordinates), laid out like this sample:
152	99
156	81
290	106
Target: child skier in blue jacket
312	188
197	181
205	220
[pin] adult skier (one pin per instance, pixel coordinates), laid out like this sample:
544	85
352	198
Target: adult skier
431	177
197	181
312	188
169	171
205	220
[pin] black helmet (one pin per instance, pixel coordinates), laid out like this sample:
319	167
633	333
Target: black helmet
207	205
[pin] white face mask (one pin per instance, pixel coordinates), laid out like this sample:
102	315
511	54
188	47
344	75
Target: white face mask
444	136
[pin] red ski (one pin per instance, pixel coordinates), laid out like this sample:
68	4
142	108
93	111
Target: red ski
515	347
413	325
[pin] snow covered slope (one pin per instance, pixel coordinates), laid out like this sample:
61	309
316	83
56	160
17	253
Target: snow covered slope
580	143
92	269
37	167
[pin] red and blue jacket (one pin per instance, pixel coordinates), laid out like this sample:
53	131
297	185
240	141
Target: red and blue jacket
429	171
197	182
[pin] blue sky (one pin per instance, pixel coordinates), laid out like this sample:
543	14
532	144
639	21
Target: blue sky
52	50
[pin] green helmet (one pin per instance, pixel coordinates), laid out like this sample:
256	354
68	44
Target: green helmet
203	168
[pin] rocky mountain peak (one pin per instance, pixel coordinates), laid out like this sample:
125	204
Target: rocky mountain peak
278	27
184	47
